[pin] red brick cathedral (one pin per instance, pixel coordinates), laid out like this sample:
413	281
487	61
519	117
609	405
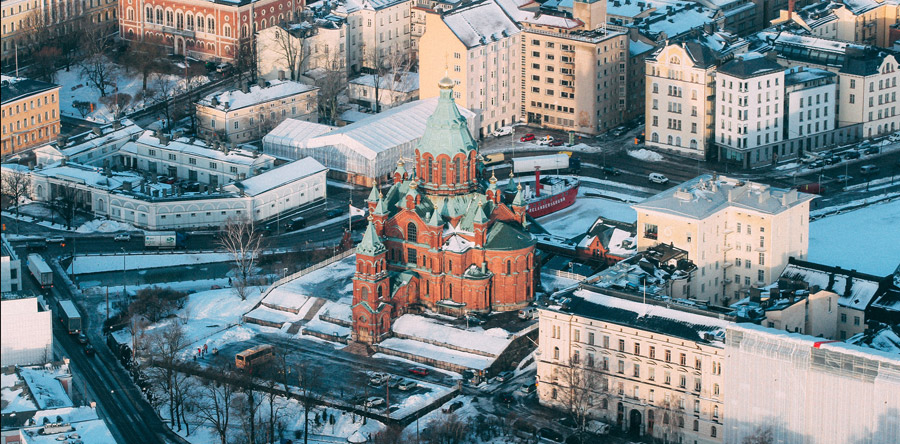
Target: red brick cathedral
441	238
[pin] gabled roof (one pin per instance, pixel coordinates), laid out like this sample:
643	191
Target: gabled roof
855	290
480	23
750	66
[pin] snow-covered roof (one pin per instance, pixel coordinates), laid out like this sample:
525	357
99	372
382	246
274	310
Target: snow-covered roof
198	148
885	339
862	288
480	23
812	342
295	132
383	131
46	390
91	176
750	65
351	6
458	244
489	342
705	195
405	82
277	177
637	47
675	19
512	8
798	75
92	431
236	98
91	140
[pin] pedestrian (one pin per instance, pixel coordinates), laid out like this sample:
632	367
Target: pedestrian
199	352
229	282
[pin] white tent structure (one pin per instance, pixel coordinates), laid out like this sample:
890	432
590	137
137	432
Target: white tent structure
364	151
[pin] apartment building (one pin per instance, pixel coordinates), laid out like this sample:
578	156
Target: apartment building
316	45
479	47
810	111
680	93
644	368
638	51
379	33
30	112
749	110
865	22
204	29
738	233
740	15
418	18
249	113
27	331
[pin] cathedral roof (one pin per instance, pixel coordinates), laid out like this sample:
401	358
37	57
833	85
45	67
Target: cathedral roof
373	196
370	244
446	131
505	236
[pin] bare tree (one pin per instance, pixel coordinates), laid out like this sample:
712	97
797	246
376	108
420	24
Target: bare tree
310	382
96	68
243	243
164	345
449	429
276	405
116	103
15	185
63	202
215	406
43	66
247	406
184	392
761	435
386	68
332	86
160	92
289	50
578	392
144	56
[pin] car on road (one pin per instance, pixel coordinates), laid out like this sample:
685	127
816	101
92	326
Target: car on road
506	398
453	407
865	170
527	138
872	150
378	378
832	160
527	388
420	371
36	245
474	320
894	137
658	178
550	435
817	164
334	212
610	171
89	350
844	178
82	338
809	158
557	142
502	131
407	384
504	376
851	155
374	401
55	240
546	140
123	237
619	131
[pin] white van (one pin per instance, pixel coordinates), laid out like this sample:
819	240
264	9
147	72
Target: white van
597	427
527	313
658	178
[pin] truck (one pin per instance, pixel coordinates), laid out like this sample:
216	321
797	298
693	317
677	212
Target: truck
547	162
493	159
69	317
811	188
40	270
164	240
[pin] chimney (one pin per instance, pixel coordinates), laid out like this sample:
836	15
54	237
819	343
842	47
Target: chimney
215	101
537	181
126	186
245	88
261	82
281	75
790	9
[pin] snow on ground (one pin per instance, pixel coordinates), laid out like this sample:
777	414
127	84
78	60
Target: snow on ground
75	88
101	263
329	282
431	369
104	226
646	155
868	239
92	287
267	314
492	341
46	390
417	348
579	217
12	395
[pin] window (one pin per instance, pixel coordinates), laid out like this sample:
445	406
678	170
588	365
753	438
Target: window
651	231
606	342
683	359
192	161
715	389
637	348
412	233
668	355
637	370
856	320
577	335
696	425
555	352
621	345
590	338
652	352
761	276
682	381
667	379
621	366
712	431
762	259
844	318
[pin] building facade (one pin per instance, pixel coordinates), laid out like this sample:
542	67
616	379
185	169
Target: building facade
247	114
203	29
30	112
317	46
810	111
380	35
481	56
10	265
27	336
738	233
438	239
657	375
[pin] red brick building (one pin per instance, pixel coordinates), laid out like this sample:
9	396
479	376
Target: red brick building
441	238
204	29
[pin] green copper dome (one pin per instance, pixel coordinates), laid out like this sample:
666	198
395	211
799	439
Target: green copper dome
446	131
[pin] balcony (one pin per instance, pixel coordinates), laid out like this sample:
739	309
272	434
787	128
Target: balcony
728	247
568	60
727	264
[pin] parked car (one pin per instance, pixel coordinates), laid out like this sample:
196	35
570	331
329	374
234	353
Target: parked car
844	178
851	155
567	421
597	427
546	140
452	407
619	131
527	388
527	138
810	158
832	160
557	143
550	435
504	376
407	384
894	137
334	212
506	398
865	170
123	237
374	401
817	164
658	178
872	150
527	313
420	371
55	240
473	320
610	171
378	378
89	350
36	245
502	131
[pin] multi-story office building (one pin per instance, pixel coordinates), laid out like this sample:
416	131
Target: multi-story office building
749	110
738	233
30	112
243	115
204	29
479	47
680	93
810	111
647	369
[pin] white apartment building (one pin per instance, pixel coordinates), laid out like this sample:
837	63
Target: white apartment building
317	45
379	32
749	110
738	233
388	90
806	389
811	112
27	332
866	22
193	160
479	47
247	114
657	370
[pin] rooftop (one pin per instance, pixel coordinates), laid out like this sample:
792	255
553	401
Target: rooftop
405	82
750	65
237	98
15	88
799	75
277	177
855	290
480	23
884	338
812	342
92	431
706	195
198	148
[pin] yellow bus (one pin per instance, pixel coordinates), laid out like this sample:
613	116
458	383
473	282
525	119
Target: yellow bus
253	357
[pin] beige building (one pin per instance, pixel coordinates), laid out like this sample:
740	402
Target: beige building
865	22
738	233
379	32
479	47
30	114
243	115
320	45
655	371
680	93
388	90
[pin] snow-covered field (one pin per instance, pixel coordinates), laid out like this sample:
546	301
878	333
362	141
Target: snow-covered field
98	264
866	240
492	341
330	282
579	217
104	226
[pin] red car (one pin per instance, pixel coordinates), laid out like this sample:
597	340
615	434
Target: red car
419	371
527	137
557	143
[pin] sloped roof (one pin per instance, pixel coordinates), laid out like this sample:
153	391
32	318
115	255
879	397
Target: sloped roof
282	175
480	23
750	66
855	290
15	88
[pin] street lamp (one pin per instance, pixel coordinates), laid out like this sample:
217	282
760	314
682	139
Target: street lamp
124	290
